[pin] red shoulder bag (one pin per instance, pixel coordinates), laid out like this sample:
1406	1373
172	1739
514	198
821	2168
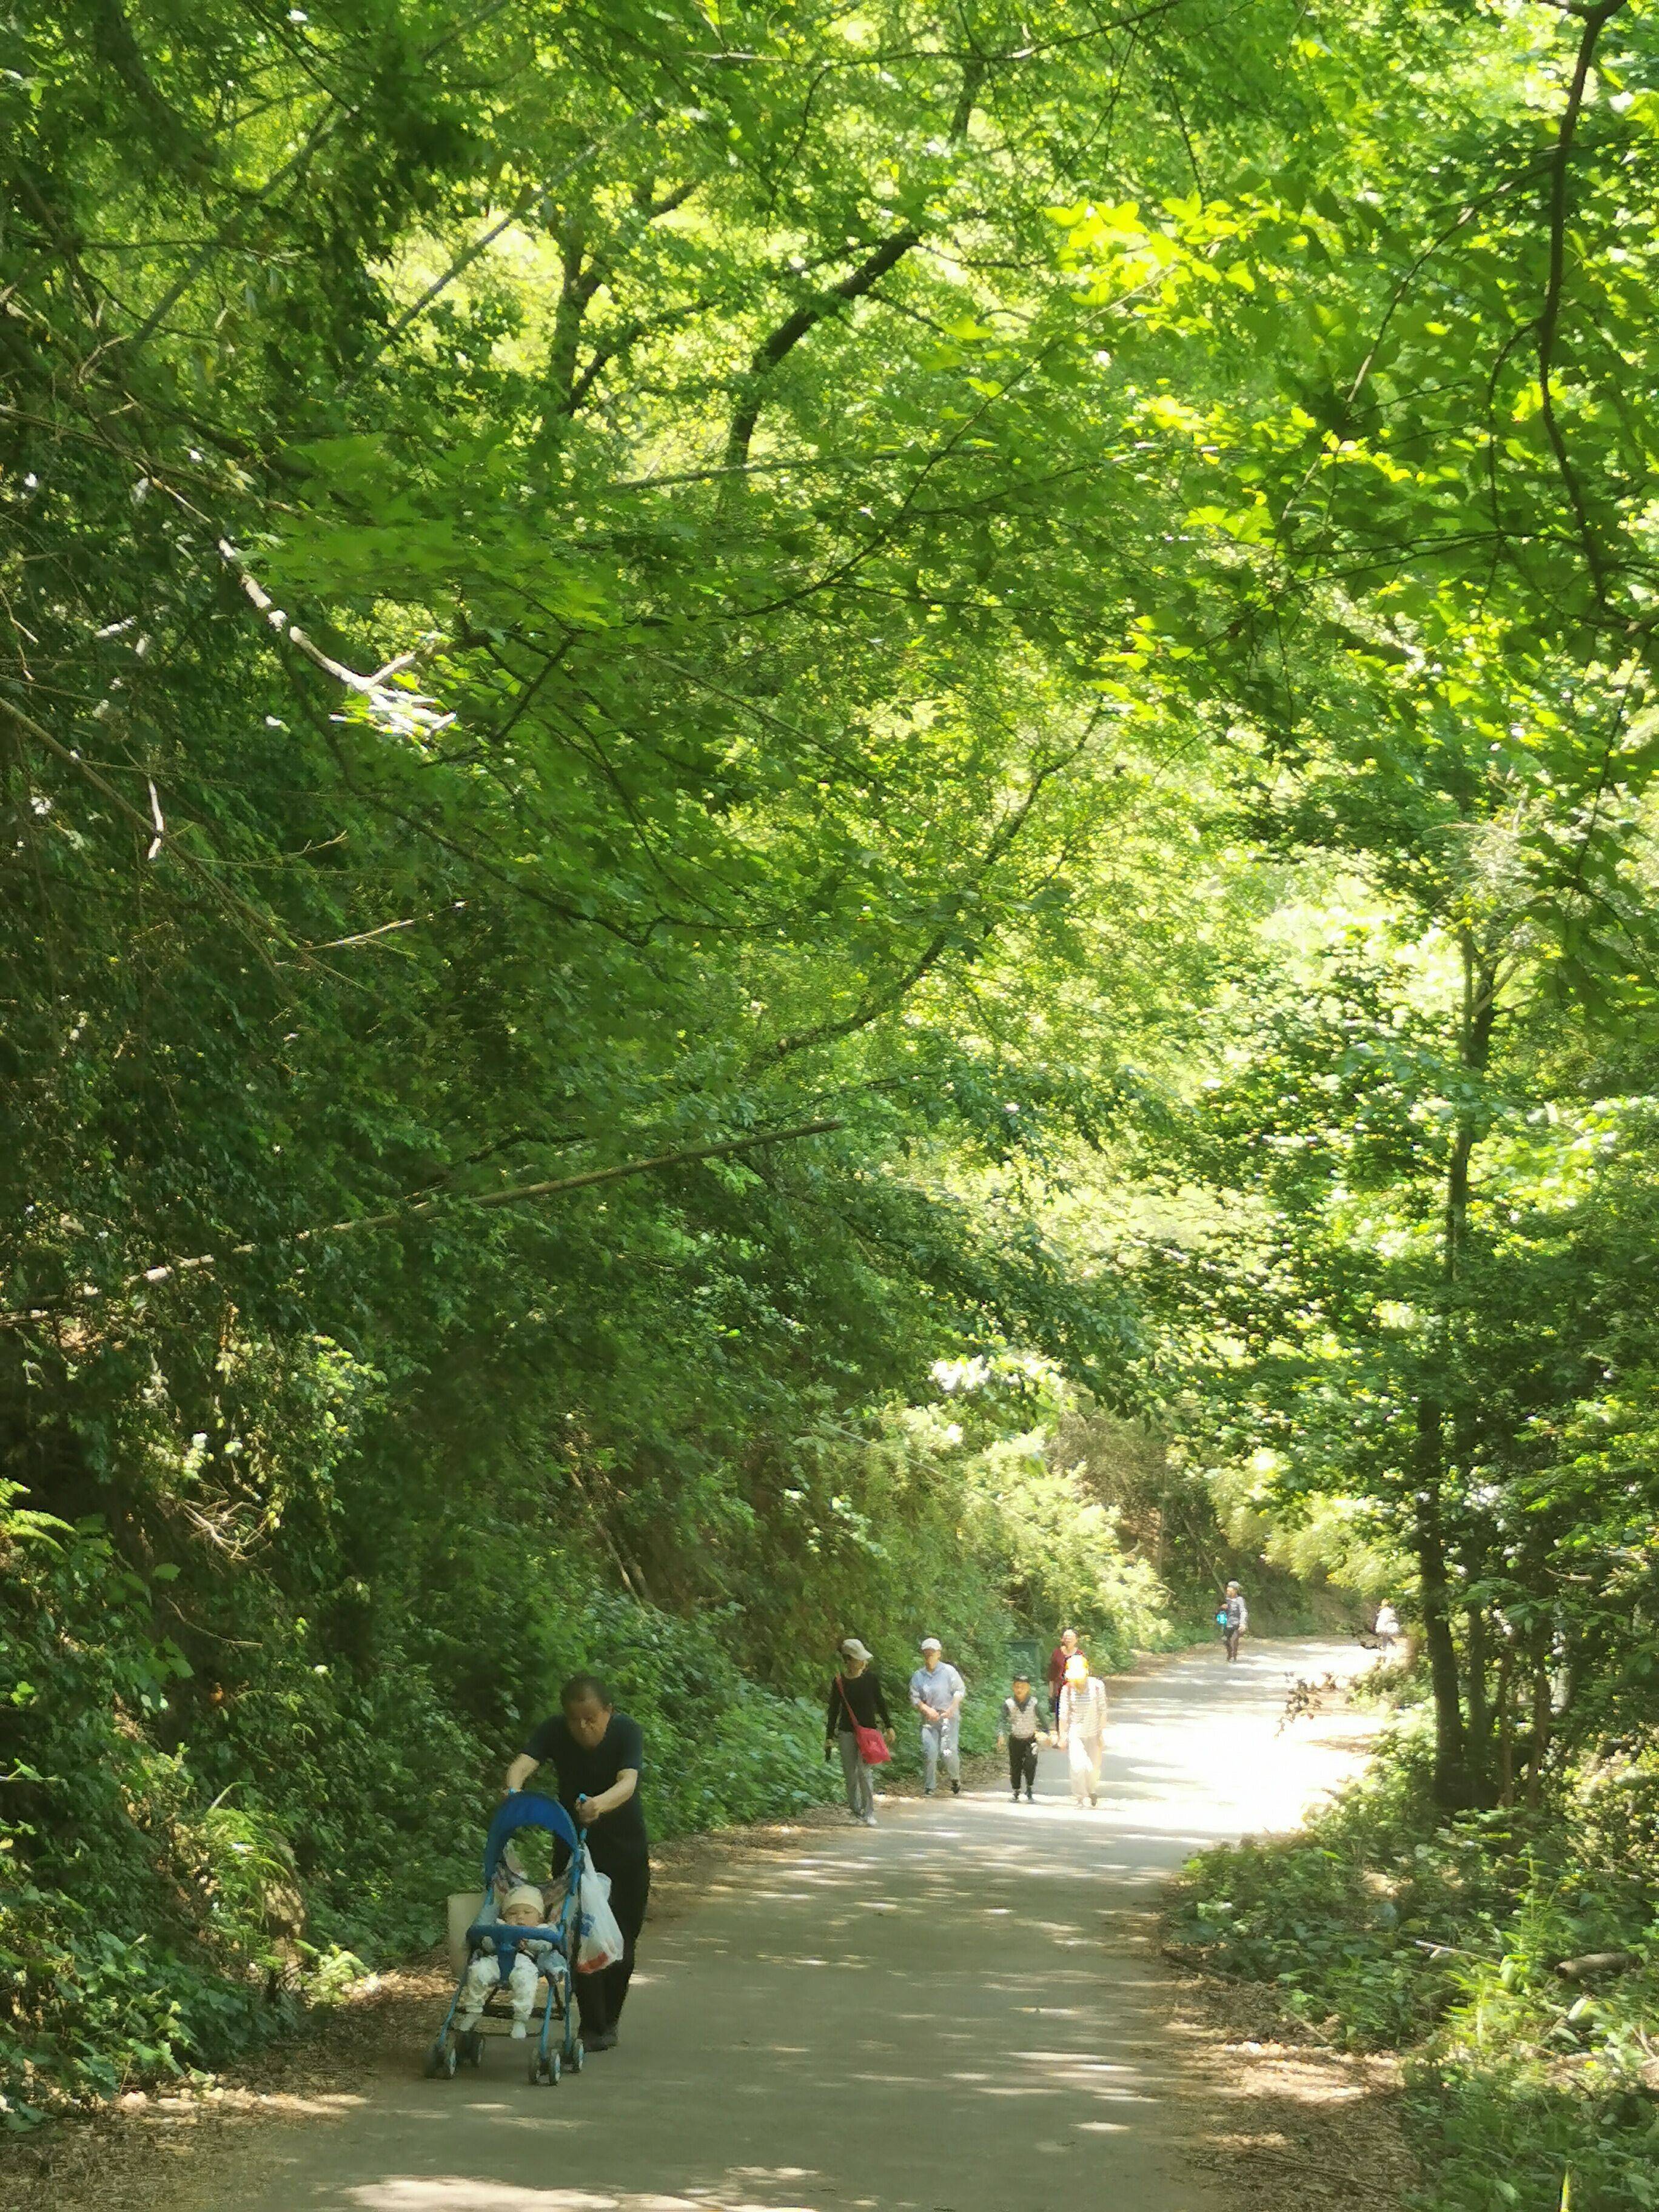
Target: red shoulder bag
871	1743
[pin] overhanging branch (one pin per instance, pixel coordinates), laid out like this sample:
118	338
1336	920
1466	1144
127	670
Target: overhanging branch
789	334
418	1209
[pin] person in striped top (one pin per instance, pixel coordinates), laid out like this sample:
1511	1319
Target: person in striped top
1021	1730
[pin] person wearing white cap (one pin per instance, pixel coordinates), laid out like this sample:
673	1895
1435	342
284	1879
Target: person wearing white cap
523	1909
856	1701
937	1691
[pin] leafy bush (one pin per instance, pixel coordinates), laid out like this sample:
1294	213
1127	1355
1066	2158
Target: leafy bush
1343	1919
1387	1926
1504	2137
123	1929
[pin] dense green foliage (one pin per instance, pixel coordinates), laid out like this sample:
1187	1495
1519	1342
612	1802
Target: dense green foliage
753	803
1387	1926
1004	661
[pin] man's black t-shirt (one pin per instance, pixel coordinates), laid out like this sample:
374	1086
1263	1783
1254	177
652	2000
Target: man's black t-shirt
585	1773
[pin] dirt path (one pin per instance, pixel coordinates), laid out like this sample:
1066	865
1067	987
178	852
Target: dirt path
961	2010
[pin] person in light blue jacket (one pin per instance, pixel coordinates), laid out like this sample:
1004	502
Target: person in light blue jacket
937	1691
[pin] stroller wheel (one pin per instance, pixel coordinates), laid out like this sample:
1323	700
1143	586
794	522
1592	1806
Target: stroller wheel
553	2068
451	2058
576	2054
472	2046
440	2059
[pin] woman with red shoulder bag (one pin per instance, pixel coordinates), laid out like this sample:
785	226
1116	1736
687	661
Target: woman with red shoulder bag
856	1719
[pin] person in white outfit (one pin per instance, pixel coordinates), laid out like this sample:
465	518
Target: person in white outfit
523	1909
1388	1628
937	1691
1081	1726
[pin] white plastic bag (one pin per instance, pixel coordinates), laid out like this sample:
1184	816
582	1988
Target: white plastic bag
599	1939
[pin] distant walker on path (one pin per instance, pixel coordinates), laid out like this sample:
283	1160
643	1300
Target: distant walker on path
937	1691
1063	1651
856	1701
1233	1619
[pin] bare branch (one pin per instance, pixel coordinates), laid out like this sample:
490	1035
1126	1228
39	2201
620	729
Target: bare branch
789	334
416	1209
403	714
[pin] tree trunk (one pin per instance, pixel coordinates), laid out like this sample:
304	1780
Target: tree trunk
1477	1645
1456	1779
1451	1774
1540	1725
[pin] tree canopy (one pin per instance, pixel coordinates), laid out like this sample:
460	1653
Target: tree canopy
707	713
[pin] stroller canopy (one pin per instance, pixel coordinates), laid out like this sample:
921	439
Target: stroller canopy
526	1808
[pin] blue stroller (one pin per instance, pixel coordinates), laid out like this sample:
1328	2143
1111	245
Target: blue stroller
548	2057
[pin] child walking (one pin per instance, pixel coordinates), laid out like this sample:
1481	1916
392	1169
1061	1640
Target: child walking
1233	1619
1022	1726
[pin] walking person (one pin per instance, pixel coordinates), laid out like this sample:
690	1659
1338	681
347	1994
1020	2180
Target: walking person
1057	1662
1387	1627
596	1753
1022	1722
937	1691
1233	1619
1081	1725
857	1703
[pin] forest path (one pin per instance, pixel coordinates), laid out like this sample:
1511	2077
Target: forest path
961	2010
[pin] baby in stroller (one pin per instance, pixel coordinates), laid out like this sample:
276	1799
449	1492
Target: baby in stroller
520	1935
522	1908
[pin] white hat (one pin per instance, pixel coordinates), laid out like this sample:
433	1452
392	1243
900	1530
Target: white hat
932	1643
527	1893
852	1648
